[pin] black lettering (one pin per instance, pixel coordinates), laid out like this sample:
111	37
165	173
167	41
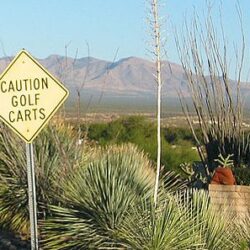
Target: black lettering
14	101
34	112
19	116
45	83
4	90
36	98
41	112
25	84
36	83
11	118
30	103
23	100
18	85
27	114
11	87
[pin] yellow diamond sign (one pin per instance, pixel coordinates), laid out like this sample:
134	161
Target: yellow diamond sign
29	96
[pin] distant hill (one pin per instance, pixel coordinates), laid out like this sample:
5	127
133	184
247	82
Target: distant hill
130	77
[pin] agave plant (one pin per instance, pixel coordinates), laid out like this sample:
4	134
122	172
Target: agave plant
13	184
53	156
184	220
107	203
97	197
214	227
242	231
166	226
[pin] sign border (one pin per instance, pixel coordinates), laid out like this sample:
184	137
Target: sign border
23	51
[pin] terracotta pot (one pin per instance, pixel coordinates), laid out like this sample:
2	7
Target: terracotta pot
223	176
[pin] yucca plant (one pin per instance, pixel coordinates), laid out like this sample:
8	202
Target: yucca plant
184	220
214	227
56	153
108	204
53	156
97	197
242	231
166	226
13	183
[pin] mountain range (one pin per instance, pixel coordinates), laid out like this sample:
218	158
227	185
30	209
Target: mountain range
130	77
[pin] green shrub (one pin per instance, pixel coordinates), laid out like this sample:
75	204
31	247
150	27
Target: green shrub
181	221
242	175
172	157
96	199
174	135
55	152
141	132
163	227
98	132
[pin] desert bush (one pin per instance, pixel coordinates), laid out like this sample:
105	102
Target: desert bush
13	184
128	129
162	227
108	204
242	175
141	132
175	135
242	230
96	198
55	152
184	220
215	228
97	132
173	156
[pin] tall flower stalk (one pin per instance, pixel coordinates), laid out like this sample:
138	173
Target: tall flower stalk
158	79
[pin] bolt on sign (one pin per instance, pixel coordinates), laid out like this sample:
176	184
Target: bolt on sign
29	96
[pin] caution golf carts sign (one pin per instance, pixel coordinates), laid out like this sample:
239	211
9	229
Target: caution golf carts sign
29	96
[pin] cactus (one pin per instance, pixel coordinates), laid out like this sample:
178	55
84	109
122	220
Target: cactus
225	161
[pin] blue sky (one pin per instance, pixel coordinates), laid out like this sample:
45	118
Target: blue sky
44	27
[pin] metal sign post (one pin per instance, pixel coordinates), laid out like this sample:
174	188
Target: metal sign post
32	196
29	96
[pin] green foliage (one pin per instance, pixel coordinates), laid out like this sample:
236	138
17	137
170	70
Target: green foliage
225	161
173	156
108	204
55	152
181	221
174	135
13	184
102	198
164	227
242	230
185	221
137	130
130	129
242	175
96	199
177	143
215	228
102	132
